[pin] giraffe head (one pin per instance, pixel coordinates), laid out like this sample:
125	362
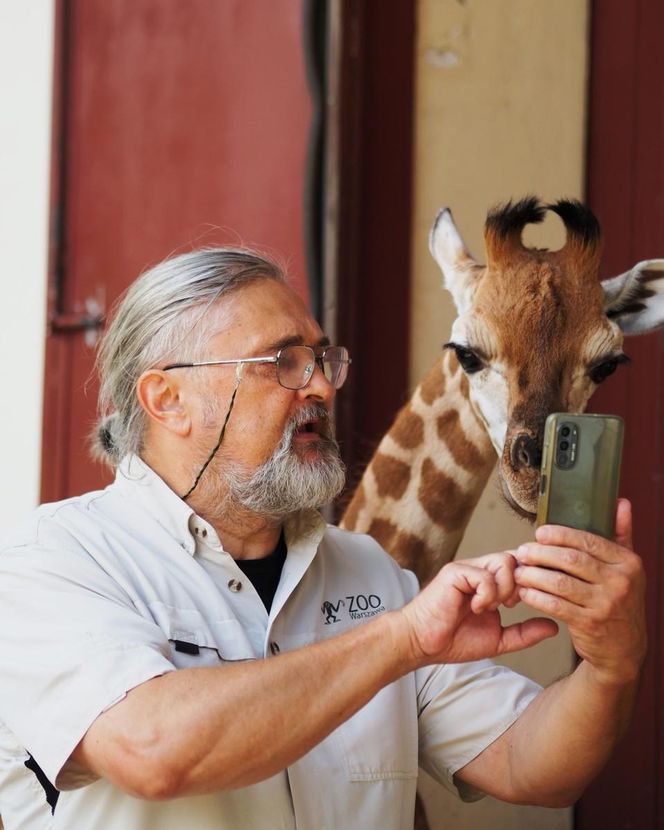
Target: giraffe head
537	331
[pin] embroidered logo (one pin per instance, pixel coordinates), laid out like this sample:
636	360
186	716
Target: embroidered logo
331	610
357	605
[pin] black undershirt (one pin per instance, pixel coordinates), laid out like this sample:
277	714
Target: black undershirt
265	573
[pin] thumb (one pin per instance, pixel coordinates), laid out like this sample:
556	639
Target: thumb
624	524
526	634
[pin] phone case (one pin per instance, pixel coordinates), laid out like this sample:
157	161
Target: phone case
581	472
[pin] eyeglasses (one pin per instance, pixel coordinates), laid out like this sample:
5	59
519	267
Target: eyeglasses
295	364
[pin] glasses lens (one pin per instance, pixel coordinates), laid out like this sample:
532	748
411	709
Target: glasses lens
295	366
335	365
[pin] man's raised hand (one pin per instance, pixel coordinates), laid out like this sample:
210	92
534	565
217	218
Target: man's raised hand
456	619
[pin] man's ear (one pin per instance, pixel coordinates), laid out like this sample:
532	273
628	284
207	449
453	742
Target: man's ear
162	399
635	299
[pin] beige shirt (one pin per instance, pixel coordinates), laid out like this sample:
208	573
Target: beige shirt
103	592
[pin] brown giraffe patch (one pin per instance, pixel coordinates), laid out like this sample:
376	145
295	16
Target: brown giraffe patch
433	385
442	498
392	476
383	532
408	430
408	549
353	509
462	450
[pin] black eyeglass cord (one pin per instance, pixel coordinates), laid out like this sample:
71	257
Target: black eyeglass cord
218	444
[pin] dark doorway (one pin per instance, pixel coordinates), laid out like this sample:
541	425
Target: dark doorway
626	190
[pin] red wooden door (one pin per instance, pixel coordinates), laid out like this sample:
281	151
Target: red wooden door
626	190
177	124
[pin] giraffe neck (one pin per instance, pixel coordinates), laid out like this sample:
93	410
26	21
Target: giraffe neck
420	488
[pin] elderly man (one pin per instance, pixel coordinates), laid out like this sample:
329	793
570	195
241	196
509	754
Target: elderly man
194	647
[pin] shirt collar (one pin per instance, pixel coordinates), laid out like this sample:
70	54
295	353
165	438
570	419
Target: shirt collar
138	481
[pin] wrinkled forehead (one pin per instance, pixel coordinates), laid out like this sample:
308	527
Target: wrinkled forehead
260	315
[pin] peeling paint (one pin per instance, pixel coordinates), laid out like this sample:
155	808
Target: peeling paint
442	58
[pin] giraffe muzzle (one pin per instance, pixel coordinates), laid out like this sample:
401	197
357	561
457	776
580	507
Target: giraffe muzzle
525	452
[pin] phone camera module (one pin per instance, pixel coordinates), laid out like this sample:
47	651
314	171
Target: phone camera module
566	445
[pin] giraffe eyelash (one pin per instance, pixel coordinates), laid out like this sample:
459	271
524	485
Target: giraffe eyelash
602	370
471	361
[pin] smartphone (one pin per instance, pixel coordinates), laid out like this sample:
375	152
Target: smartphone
581	472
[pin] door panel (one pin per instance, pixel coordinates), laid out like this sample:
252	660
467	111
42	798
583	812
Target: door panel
178	125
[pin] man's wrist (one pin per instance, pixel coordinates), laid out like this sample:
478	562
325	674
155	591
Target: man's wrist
403	654
624	676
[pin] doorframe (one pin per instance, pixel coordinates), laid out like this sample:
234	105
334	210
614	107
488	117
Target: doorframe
368	214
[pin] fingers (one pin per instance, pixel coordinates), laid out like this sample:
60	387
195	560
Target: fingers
479	584
603	550
571	561
490	578
554	583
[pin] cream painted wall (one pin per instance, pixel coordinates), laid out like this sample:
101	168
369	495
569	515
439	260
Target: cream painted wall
25	91
500	113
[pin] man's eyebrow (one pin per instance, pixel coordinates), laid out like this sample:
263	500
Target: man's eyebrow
293	340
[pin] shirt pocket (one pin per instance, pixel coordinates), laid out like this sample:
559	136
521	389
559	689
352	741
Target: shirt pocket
380	741
196	641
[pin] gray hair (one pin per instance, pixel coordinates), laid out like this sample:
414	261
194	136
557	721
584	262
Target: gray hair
157	316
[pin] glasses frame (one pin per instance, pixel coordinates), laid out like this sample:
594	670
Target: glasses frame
318	359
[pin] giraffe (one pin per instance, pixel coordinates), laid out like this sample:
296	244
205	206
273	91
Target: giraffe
536	332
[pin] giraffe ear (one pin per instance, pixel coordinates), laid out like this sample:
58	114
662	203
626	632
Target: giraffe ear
635	299
460	271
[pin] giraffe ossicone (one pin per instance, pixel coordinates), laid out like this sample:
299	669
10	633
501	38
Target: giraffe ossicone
536	332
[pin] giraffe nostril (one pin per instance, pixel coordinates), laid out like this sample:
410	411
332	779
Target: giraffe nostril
525	452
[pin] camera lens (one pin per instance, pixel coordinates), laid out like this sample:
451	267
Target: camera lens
564	445
565	431
561	459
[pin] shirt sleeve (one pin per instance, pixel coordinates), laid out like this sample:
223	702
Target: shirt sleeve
72	645
463	708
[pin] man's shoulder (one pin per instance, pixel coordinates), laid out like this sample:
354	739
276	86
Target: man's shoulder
362	549
50	523
353	542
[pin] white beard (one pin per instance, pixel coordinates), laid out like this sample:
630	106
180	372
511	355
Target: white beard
285	483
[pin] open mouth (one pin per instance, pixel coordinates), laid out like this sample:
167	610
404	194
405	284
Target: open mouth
309	426
309	430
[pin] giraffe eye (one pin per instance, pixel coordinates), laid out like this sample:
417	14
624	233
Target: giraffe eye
470	362
602	371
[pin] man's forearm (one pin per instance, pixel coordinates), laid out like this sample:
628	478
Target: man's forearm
559	744
200	730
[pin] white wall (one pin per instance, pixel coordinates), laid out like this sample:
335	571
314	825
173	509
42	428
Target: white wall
26	57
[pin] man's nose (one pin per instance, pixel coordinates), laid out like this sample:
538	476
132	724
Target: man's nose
319	386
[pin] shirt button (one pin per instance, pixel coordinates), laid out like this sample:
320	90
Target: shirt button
274	648
234	585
